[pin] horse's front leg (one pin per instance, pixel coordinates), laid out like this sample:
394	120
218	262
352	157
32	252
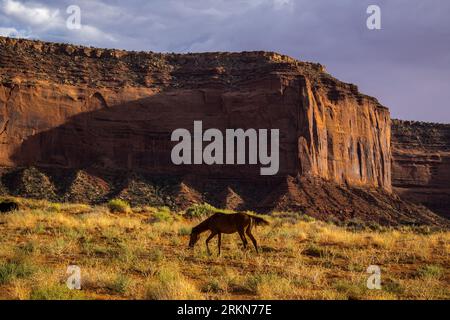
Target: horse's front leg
212	235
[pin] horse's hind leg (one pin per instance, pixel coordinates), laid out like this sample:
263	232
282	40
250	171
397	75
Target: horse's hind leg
212	235
250	235
243	238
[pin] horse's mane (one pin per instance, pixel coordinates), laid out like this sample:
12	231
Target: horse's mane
202	226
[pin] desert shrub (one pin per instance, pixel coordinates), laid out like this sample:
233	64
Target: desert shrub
285	215
291	217
169	284
392	287
125	252
119	206
430	271
424	230
120	284
202	211
199	211
214	285
156	255
252	282
265	285
355	267
331	220
79	208
163	214
274	286
29	247
351	291
14	269
184	231
314	250
55	292
373	226
355	224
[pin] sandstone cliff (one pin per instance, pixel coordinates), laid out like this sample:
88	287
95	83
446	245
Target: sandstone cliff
421	163
76	107
87	124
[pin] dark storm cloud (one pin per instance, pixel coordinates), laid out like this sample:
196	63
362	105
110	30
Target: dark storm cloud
405	65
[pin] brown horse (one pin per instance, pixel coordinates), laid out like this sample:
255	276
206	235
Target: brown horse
219	223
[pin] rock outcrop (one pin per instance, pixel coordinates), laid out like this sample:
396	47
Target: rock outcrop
77	107
421	163
90	124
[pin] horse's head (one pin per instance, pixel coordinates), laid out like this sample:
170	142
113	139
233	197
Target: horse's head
194	238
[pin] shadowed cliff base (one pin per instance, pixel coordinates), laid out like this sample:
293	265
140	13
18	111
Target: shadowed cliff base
321	199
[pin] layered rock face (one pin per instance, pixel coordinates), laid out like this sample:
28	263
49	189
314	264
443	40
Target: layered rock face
86	125
76	107
421	163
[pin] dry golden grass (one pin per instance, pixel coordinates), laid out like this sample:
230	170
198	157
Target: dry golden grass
144	255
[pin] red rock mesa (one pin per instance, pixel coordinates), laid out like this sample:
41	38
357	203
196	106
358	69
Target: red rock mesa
101	114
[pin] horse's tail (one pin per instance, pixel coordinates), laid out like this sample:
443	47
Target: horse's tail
259	221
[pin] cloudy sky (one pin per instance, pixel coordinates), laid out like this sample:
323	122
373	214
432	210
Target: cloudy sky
406	64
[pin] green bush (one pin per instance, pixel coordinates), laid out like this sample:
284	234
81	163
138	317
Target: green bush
202	211
431	271
120	284
119	206
163	214
199	211
392	287
56	292
14	269
184	231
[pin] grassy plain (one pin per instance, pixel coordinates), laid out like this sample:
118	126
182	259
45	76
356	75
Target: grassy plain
142	254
